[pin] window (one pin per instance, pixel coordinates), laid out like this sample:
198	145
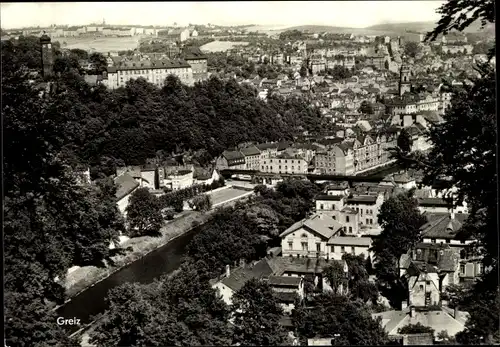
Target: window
304	246
448	241
318	247
347	219
332	248
462	269
367	221
428	283
421	287
433	240
342	249
350	229
334	217
353	251
290	245
304	236
321	207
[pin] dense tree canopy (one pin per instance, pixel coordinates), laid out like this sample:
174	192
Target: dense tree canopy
331	314
256	315
180	309
143	213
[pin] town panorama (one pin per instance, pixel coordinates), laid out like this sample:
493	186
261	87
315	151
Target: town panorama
178	184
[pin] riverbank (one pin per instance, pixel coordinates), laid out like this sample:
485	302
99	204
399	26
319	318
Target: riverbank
136	248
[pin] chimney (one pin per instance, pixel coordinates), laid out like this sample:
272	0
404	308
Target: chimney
404	305
412	311
228	270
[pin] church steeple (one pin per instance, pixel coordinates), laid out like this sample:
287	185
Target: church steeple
47	57
404	78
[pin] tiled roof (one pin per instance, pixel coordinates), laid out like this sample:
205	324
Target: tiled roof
349	210
284	281
338	185
369	199
149	64
442	226
317	224
437	320
233	155
239	276
250	151
264	146
325	197
350	241
126	184
202	173
433	202
295	265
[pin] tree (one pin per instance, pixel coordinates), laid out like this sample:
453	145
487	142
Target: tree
466	158
458	15
360	287
303	71
180	309
143	213
412	49
401	221
201	202
404	142
329	314
335	275
366	107
415	329
99	62
256	315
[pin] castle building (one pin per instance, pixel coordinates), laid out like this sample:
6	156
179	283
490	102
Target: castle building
47	57
153	71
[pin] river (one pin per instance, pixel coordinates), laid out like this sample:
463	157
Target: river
91	302
164	260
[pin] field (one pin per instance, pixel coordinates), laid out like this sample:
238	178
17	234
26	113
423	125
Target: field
101	44
221	46
223	195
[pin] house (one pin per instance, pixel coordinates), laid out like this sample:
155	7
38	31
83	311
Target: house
451	321
180	179
126	185
252	157
309	237
231	160
284	164
284	275
440	205
341	245
338	188
368	207
287	290
205	176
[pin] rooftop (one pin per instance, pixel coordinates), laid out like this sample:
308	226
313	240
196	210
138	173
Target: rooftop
350	241
318	224
125	185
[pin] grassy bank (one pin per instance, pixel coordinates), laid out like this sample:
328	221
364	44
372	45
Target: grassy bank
85	277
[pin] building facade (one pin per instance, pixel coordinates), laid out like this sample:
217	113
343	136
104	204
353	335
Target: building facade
154	72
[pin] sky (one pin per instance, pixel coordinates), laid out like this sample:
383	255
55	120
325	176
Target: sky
355	14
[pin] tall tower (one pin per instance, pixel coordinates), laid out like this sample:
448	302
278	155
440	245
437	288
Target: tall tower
404	78
47	58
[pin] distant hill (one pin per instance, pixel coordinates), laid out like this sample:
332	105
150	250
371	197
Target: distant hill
380	29
424	27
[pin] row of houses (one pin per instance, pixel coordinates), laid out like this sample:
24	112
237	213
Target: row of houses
158	178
